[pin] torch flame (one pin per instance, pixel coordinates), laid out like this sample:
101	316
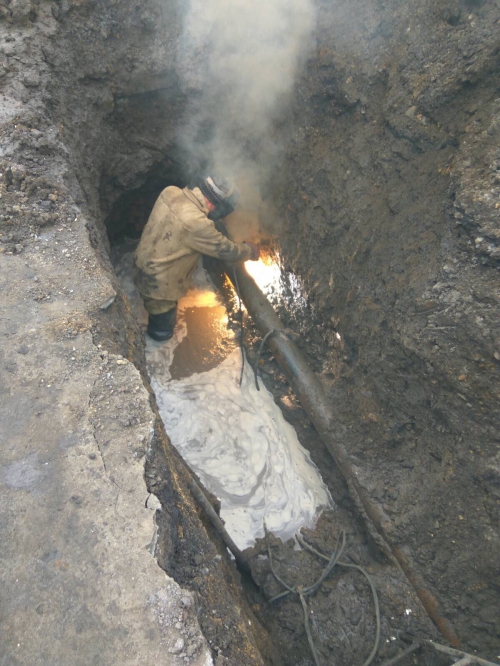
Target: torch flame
266	274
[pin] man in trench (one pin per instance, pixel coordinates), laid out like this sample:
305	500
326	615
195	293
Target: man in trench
177	233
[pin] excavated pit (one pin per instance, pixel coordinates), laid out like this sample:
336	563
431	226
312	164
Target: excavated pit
400	607
334	351
385	206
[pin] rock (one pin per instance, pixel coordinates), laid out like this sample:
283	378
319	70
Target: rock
108	302
19	91
191	649
31	79
177	647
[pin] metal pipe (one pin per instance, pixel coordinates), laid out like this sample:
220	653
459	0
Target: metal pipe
217	523
311	394
447	650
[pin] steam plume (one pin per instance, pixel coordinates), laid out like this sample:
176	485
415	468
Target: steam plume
239	59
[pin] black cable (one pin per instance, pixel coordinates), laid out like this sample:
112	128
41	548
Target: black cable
242	332
376	642
217	523
261	349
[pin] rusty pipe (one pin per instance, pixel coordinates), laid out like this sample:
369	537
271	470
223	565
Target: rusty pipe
312	395
216	521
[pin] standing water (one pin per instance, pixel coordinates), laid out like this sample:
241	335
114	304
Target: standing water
235	438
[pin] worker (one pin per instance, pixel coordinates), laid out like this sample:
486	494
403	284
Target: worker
179	230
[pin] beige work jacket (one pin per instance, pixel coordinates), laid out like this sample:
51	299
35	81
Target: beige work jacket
177	233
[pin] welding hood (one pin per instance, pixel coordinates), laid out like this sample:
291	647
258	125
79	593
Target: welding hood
223	195
224	208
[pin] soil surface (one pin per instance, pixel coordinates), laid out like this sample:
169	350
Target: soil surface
386	206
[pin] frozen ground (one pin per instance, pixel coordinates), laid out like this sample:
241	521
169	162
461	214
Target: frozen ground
79	584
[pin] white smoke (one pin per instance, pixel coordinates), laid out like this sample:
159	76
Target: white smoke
238	64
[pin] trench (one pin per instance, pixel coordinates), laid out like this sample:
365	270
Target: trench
384	195
367	256
257	454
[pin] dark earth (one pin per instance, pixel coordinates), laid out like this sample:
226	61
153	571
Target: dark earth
387	205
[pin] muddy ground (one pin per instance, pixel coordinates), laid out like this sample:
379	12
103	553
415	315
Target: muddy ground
387	207
342	611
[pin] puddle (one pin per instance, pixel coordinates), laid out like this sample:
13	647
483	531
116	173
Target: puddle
235	438
207	343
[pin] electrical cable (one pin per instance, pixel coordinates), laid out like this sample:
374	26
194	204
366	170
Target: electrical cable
376	604
261	349
242	331
302	592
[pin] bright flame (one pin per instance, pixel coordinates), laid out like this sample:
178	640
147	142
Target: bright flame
266	274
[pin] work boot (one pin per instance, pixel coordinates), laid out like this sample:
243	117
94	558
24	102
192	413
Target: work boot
161	326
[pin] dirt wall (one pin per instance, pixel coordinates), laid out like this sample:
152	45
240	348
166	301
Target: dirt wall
390	210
